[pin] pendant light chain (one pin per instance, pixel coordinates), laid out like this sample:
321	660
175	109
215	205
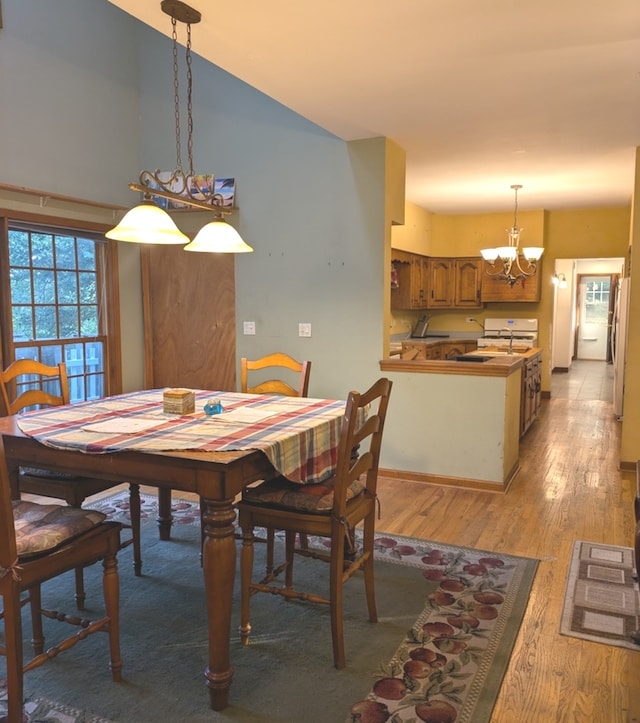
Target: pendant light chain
189	105
176	92
515	211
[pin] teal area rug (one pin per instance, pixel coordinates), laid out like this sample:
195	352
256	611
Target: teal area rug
448	618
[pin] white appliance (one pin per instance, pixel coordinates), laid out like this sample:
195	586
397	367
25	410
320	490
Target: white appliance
619	343
498	332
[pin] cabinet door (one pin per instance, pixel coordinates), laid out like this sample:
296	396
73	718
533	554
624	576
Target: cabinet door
467	282
440	283
419	281
527	289
401	290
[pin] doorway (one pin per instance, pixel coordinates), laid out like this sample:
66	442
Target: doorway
594	316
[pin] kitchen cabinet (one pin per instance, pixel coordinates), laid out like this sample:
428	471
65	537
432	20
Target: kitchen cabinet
411	276
528	289
455	283
531	391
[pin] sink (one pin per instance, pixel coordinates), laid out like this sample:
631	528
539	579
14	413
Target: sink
471	358
502	352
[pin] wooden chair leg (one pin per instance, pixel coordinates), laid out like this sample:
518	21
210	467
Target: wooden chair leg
246	573
13	640
81	595
289	548
37	632
111	591
134	510
368	568
271	537
335	585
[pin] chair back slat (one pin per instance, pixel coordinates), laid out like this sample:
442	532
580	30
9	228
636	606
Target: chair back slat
281	361
361	441
40	378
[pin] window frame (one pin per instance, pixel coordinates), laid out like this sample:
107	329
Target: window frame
109	308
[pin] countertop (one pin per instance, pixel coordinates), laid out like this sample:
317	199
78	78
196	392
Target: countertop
498	366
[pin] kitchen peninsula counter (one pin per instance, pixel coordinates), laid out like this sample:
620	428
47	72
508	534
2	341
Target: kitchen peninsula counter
497	366
466	428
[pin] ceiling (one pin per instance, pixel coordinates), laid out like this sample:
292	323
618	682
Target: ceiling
481	94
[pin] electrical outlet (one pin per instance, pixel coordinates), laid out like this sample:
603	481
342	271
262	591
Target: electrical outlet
249	328
304	329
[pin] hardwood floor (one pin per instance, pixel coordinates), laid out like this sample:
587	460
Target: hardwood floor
569	488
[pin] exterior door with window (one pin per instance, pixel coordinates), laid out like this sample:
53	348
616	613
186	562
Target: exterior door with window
594	297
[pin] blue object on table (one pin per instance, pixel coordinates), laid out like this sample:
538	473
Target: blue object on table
213	406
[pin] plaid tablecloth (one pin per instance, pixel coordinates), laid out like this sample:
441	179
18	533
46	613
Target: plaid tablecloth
300	436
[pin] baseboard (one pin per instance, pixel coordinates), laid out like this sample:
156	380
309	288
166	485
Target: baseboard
444	481
560	370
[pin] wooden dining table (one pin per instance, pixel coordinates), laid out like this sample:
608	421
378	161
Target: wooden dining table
115	439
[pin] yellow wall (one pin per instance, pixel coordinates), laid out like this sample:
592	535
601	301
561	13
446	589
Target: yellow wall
630	450
415	234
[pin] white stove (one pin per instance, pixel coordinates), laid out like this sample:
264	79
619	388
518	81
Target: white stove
498	333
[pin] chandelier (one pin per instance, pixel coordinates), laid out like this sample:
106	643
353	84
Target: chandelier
147	223
509	263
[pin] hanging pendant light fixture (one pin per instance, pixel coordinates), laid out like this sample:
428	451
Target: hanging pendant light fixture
508	263
147	223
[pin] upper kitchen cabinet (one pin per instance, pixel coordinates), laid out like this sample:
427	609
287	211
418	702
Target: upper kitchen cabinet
525	289
455	283
409	280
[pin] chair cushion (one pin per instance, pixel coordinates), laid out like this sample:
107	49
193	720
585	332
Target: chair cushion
312	498
42	528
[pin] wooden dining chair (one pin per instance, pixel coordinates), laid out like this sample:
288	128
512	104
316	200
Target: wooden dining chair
280	362
27	383
39	542
331	509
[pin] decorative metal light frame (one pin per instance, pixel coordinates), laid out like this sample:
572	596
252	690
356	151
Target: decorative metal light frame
147	222
509	263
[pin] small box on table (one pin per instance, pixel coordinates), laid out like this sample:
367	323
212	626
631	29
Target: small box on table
179	401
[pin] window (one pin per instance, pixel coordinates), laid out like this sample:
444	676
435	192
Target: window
56	310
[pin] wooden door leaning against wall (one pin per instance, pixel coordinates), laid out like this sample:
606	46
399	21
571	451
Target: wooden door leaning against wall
189	318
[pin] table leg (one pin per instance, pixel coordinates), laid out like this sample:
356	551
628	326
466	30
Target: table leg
165	518
219	565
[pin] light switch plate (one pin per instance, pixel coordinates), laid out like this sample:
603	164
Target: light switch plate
249	328
304	329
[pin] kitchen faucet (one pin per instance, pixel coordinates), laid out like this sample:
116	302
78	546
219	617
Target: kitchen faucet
510	339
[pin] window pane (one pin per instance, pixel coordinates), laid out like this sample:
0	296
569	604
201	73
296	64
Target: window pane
51	354
68	321
42	250
19	248
67	287
86	254
95	356
20	286
65	252
44	291
88	290
46	327
89	320
22	323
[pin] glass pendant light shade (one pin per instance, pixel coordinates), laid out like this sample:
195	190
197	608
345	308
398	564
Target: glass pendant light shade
489	255
147	224
507	253
218	237
532	253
